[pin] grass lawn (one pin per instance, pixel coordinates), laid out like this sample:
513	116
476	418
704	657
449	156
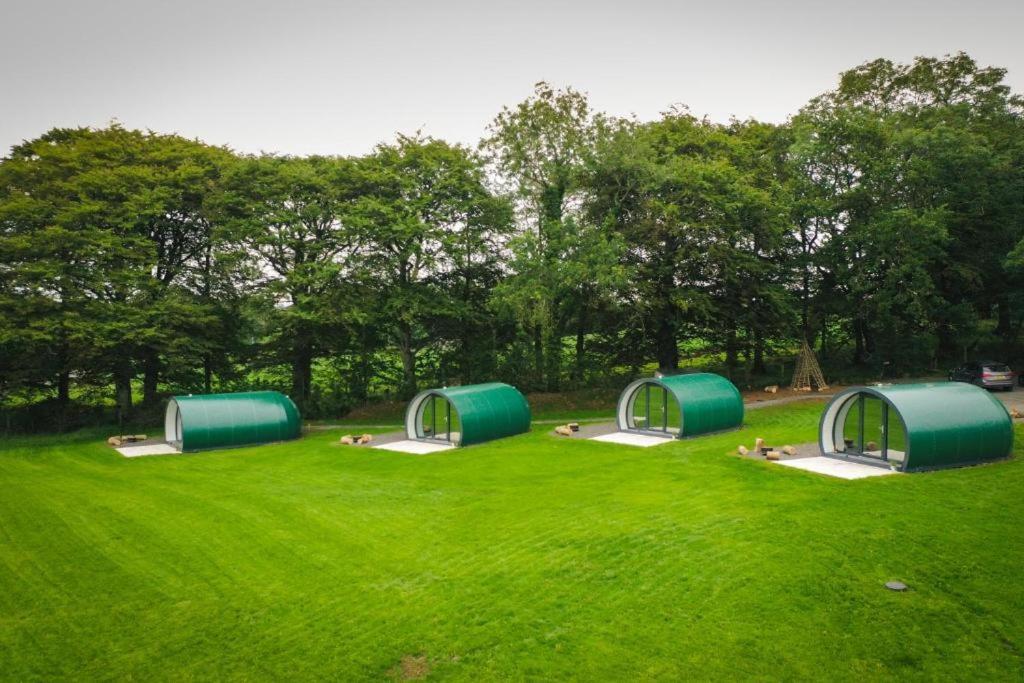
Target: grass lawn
532	557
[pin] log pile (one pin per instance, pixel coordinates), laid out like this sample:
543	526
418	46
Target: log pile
116	441
767	451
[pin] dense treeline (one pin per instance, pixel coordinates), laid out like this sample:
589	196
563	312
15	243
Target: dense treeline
884	223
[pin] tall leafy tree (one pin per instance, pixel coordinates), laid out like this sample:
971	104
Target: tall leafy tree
185	322
287	216
561	265
430	233
703	215
73	254
916	150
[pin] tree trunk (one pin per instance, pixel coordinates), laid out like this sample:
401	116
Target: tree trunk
63	375
361	384
1004	327
302	370
666	347
581	347
947	346
63	388
63	396
150	377
538	355
123	388
408	355
864	342
805	304
823	351
553	360
858	343
805	280
869	338
731	352
759	368
207	375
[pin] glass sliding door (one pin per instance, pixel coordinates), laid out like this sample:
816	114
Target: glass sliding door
651	409
871	429
437	420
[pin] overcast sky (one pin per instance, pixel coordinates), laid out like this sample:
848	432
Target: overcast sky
305	76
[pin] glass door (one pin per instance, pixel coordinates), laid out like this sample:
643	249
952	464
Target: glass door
436	419
872	429
650	408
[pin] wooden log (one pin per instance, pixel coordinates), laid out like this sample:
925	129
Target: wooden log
563	430
742	450
773	455
347	440
789	450
114	441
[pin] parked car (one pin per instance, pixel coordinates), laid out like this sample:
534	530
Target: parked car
988	374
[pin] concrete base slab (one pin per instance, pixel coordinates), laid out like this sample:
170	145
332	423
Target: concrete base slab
629	439
415	447
149	449
834	467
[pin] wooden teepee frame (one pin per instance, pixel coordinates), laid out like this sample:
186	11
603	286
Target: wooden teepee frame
807	374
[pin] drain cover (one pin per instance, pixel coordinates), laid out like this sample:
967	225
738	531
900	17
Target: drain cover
896	585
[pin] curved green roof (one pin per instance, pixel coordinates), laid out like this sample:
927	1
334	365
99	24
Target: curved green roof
486	411
948	423
201	422
707	402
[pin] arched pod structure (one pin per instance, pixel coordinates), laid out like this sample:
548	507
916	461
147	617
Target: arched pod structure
680	405
916	426
468	414
204	422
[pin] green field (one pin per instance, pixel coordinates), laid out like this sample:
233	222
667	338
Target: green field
532	557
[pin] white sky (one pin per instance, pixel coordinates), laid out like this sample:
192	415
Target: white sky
310	76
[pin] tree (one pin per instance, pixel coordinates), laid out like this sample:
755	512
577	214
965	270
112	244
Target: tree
703	215
173	213
73	254
430	233
287	216
541	148
917	149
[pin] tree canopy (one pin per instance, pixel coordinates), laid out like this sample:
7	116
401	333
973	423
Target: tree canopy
884	223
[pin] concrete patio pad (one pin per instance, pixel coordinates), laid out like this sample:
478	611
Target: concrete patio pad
629	439
147	449
834	467
415	447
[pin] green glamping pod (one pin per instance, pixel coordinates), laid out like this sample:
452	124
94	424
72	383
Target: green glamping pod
203	422
916	426
467	415
680	405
